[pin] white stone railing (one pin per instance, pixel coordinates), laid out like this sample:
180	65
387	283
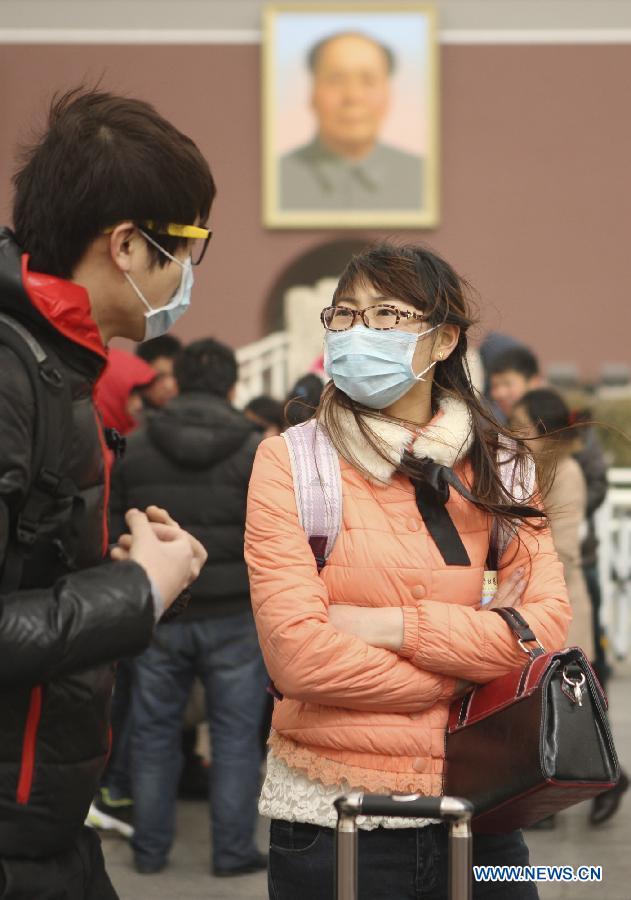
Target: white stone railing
273	364
613	524
263	368
303	306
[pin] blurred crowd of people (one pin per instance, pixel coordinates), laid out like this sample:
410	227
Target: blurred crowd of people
572	466
180	444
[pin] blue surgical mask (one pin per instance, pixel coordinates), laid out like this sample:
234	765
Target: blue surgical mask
159	321
373	367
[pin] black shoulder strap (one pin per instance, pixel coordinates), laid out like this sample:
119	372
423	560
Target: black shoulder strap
521	629
53	419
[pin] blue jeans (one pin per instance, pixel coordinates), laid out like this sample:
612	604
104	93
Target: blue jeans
116	777
224	653
394	864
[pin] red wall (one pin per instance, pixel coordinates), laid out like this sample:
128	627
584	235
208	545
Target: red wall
536	193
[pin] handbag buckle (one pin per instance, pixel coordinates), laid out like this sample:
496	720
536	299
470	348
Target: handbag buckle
529	650
574	687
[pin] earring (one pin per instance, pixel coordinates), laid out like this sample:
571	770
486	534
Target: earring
441	354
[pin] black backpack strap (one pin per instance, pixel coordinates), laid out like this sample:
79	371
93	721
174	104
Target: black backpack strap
53	425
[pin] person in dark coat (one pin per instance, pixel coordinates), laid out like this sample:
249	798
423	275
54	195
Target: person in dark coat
195	458
70	272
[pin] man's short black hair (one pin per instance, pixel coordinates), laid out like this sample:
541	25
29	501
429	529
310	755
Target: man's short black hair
207	366
166	346
303	399
104	159
268	410
314	53
515	359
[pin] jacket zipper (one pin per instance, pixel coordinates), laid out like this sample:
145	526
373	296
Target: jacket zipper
106	482
27	766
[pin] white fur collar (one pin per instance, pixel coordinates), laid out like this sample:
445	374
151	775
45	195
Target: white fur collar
446	439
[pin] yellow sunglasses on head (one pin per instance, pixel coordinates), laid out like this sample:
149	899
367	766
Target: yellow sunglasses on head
200	236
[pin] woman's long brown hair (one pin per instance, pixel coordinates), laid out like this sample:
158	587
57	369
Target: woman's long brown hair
418	276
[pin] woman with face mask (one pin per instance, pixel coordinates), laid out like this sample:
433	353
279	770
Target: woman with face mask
369	652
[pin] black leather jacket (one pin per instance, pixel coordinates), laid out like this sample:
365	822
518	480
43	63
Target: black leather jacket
73	613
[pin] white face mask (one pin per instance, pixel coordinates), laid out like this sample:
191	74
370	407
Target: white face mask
373	367
159	321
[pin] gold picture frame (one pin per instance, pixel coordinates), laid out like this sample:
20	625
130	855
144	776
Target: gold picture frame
323	69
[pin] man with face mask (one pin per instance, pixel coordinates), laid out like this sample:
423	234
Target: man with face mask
106	229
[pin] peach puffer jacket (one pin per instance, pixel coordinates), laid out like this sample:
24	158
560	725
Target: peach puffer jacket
356	713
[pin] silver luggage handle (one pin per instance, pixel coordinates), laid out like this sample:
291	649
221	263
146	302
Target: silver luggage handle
456	811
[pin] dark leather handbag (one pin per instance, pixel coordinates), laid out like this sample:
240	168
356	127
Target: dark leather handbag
532	742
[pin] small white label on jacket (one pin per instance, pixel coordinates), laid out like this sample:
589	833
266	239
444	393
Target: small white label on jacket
489	587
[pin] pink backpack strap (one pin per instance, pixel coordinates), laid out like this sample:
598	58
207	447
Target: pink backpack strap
315	468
